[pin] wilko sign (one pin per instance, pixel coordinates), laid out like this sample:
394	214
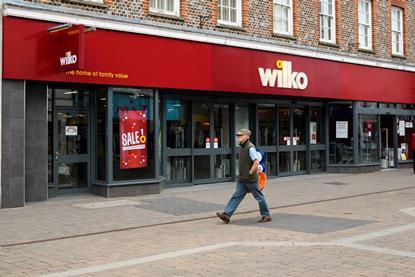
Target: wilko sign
283	76
69	48
133	139
68	59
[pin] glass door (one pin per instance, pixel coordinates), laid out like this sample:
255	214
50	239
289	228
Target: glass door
292	140
211	142
71	151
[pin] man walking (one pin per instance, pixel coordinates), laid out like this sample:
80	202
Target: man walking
248	180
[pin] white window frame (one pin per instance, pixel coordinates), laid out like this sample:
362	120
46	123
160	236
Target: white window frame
397	29
155	7
365	23
331	18
222	8
290	17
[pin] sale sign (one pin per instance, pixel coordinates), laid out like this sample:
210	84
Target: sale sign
133	139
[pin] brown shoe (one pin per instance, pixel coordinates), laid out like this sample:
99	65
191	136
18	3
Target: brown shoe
223	216
265	219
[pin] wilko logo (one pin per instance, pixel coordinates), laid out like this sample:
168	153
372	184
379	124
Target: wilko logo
68	59
284	76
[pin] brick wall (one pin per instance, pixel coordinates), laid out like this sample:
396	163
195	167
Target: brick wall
257	21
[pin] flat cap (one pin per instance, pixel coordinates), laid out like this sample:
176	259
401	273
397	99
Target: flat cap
243	131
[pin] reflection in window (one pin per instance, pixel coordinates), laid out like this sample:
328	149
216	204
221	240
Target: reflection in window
241	119
317	160
222	166
404	128
299	126
178	169
71	97
202	167
178	131
131	101
341	133
316	118
266	125
221	124
270	162
101	135
368	138
284	126
201	121
284	162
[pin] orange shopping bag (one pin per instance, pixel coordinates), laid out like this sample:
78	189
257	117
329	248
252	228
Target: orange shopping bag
262	179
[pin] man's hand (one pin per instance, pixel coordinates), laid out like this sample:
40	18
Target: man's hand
254	167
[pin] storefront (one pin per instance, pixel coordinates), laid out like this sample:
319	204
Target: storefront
149	112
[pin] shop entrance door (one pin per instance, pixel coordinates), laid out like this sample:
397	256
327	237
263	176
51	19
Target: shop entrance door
71	144
292	141
387	152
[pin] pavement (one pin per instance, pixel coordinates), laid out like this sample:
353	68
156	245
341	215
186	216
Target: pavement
324	225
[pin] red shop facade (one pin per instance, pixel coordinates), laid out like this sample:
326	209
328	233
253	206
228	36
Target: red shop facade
117	113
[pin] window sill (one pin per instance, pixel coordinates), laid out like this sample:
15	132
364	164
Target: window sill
330	44
398	56
94	4
284	36
368	51
163	15
233	27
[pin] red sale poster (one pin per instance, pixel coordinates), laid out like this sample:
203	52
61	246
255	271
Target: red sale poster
133	139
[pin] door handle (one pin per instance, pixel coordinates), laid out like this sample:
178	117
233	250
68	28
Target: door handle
57	155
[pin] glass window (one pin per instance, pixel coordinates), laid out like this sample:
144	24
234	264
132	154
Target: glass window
133	131
241	121
284	162
202	167
77	143
101	135
266	126
230	12
299	161
270	162
365	24
178	129
341	133
405	128
51	155
367	105
71	97
317	160
221	125
387	105
284	126
397	31
405	106
327	21
283	17
299	133
368	138
170	7
316	119
178	169
222	166
201	123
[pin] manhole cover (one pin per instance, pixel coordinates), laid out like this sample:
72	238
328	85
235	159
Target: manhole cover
336	183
